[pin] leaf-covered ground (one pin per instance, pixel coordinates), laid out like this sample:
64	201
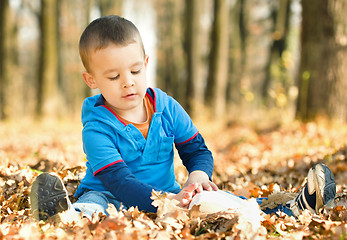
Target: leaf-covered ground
249	161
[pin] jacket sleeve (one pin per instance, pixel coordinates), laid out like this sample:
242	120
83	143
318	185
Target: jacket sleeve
188	141
195	155
118	179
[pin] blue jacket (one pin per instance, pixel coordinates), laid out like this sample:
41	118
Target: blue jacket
122	161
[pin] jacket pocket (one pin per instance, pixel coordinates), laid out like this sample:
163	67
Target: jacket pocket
166	152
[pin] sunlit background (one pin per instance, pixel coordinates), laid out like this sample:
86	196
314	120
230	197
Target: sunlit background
224	58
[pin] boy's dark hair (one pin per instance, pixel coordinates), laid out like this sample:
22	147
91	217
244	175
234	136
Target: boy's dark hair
107	30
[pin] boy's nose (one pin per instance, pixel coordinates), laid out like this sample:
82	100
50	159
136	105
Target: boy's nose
128	82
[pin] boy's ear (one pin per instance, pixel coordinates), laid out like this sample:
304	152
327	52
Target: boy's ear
88	78
146	60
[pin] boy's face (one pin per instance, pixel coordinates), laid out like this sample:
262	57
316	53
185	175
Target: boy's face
120	74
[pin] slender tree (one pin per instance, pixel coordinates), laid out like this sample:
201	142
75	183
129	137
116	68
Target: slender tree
218	68
192	40
281	17
48	95
170	57
88	6
323	78
5	41
108	7
72	87
237	60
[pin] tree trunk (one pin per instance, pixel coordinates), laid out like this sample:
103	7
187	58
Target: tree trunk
237	60
170	58
281	16
192	40
218	69
73	89
88	6
110	7
5	58
48	96
323	78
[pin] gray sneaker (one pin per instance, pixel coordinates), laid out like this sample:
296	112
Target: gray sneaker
318	191
48	196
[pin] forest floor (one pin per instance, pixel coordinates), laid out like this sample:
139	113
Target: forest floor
250	160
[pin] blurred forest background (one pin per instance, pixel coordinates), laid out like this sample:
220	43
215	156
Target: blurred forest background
222	57
245	70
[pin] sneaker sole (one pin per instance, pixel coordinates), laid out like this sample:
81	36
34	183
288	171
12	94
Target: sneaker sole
48	196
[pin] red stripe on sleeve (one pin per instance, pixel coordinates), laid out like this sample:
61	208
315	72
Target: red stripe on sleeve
96	172
188	139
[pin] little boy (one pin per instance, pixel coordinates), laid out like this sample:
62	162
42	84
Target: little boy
128	135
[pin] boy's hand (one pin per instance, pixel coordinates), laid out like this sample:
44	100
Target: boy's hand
185	195
197	182
203	181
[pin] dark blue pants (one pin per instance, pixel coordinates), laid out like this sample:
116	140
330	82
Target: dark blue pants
282	208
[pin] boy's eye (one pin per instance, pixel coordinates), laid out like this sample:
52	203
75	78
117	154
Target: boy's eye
136	72
114	78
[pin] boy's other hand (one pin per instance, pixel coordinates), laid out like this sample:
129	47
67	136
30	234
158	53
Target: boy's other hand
203	181
185	195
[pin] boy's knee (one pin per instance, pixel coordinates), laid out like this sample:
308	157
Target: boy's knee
94	202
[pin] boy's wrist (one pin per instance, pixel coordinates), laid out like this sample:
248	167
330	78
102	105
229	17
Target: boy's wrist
202	179
198	173
171	196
